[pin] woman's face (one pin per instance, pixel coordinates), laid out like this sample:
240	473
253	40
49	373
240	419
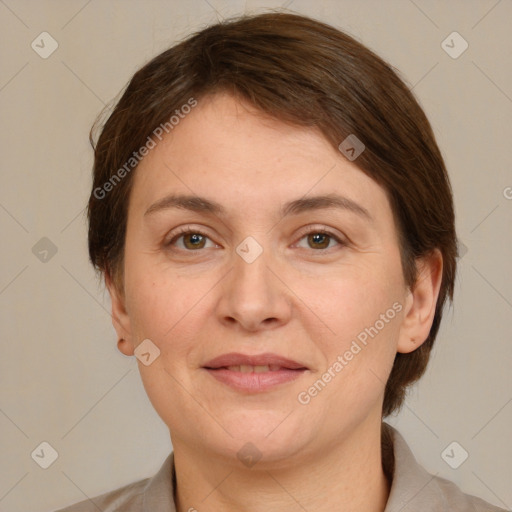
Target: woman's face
260	277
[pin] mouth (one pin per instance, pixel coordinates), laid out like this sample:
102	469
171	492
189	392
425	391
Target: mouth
254	373
247	368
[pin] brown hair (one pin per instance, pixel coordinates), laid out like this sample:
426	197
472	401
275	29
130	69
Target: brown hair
308	73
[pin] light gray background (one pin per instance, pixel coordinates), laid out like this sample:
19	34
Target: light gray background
63	380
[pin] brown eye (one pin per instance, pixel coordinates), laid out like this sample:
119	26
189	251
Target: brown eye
321	240
192	240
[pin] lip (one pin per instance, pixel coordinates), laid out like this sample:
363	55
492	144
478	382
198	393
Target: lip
252	382
236	359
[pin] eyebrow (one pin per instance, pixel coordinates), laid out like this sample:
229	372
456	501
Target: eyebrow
204	205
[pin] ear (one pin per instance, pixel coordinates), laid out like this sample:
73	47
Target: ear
421	303
120	318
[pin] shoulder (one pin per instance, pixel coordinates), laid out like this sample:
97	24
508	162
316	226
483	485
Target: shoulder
455	499
127	498
413	488
155	494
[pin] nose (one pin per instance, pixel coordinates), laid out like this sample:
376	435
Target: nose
254	296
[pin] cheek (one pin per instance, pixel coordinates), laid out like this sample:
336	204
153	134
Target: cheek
361	313
347	301
158	311
154	299
167	308
149	306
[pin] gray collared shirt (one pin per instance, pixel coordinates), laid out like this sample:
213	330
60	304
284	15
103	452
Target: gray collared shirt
413	489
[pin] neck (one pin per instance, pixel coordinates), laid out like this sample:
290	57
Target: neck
347	476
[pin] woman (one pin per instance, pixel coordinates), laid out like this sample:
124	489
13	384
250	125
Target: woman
275	226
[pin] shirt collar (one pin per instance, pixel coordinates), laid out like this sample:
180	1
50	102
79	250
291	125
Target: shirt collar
158	495
412	487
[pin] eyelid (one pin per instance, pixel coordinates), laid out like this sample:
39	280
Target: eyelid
320	228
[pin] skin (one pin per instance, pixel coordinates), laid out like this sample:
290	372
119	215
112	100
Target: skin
295	300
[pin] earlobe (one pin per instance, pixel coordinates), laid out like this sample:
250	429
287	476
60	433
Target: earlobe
421	303
120	317
125	347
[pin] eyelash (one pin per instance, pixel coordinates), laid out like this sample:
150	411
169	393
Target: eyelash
187	231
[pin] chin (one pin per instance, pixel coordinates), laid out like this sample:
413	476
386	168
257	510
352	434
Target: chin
265	433
265	454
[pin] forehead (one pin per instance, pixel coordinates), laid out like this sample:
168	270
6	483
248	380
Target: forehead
229	152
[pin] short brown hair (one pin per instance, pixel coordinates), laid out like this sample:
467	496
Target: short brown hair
308	73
